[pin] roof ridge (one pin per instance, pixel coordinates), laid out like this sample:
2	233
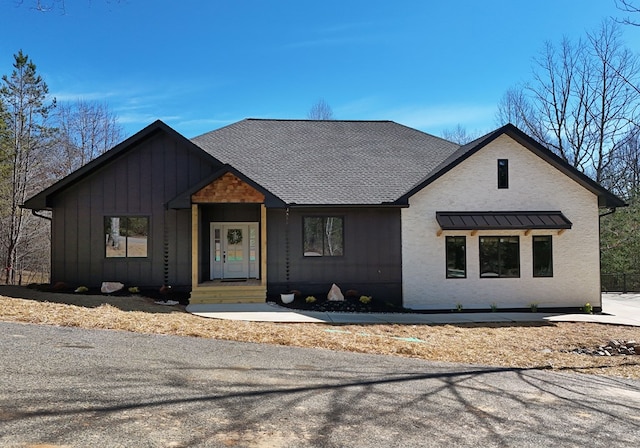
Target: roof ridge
316	120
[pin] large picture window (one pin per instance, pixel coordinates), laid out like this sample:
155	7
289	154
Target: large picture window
499	256
126	236
542	256
323	236
456	257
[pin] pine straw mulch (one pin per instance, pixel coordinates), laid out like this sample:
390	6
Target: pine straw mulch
534	345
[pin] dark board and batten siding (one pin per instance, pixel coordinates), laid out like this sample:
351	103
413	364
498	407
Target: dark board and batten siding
137	183
371	264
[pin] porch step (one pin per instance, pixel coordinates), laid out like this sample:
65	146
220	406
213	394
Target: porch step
228	294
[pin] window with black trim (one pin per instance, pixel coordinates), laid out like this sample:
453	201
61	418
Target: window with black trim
323	236
499	256
542	256
503	173
456	256
126	236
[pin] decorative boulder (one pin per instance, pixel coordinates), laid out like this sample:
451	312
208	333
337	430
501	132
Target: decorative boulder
335	295
109	287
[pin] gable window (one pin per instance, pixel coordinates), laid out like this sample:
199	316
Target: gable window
323	236
503	173
126	236
542	256
456	257
499	256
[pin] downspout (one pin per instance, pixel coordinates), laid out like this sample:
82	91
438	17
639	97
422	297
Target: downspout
287	263
610	212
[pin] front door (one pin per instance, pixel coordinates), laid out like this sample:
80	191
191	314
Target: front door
234	250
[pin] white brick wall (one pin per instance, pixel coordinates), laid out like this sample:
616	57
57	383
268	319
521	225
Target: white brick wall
534	185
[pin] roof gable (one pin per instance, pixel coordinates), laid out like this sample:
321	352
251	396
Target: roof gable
605	197
40	201
237	190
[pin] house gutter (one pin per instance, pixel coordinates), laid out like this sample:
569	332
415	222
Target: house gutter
610	212
35	213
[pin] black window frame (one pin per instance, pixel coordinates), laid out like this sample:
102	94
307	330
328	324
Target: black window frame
316	254
449	270
501	253
126	236
503	173
536	260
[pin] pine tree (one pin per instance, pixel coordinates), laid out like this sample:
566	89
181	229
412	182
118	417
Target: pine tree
24	97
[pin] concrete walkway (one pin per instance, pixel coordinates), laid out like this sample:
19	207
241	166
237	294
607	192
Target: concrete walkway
618	309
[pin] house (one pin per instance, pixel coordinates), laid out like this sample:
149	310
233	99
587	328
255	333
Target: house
261	207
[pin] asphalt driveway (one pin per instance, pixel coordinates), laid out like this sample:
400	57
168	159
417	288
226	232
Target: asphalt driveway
68	387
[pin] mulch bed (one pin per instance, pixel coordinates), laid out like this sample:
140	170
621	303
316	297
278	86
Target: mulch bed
157	295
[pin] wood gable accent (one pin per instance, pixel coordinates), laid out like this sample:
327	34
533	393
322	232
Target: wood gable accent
227	188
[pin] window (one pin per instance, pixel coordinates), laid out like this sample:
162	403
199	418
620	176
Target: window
503	173
456	257
323	236
499	256
126	236
542	256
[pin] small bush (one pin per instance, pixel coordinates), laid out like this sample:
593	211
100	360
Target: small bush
310	299
365	299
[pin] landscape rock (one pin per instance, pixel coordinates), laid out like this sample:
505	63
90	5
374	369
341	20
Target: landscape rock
335	295
109	287
613	348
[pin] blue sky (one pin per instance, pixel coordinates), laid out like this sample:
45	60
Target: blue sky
199	65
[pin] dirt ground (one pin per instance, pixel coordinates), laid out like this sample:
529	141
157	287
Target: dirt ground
534	345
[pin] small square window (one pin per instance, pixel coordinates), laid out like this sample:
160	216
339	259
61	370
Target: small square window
126	236
323	236
503	173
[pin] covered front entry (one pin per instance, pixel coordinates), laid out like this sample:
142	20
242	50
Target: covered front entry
229	242
235	251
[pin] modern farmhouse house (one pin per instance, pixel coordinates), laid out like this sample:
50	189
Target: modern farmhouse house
261	207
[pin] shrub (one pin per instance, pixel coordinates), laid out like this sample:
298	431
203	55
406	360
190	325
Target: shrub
365	299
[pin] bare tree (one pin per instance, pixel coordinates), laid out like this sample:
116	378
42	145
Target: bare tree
579	103
459	135
85	131
629	7
320	111
24	97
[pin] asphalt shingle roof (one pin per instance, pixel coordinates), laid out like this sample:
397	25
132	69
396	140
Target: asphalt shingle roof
328	162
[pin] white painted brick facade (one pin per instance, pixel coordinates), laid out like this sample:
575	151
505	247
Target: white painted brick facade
534	185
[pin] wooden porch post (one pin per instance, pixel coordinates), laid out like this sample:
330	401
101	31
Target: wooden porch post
263	245
195	265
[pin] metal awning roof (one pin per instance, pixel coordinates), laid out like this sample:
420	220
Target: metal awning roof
502	220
